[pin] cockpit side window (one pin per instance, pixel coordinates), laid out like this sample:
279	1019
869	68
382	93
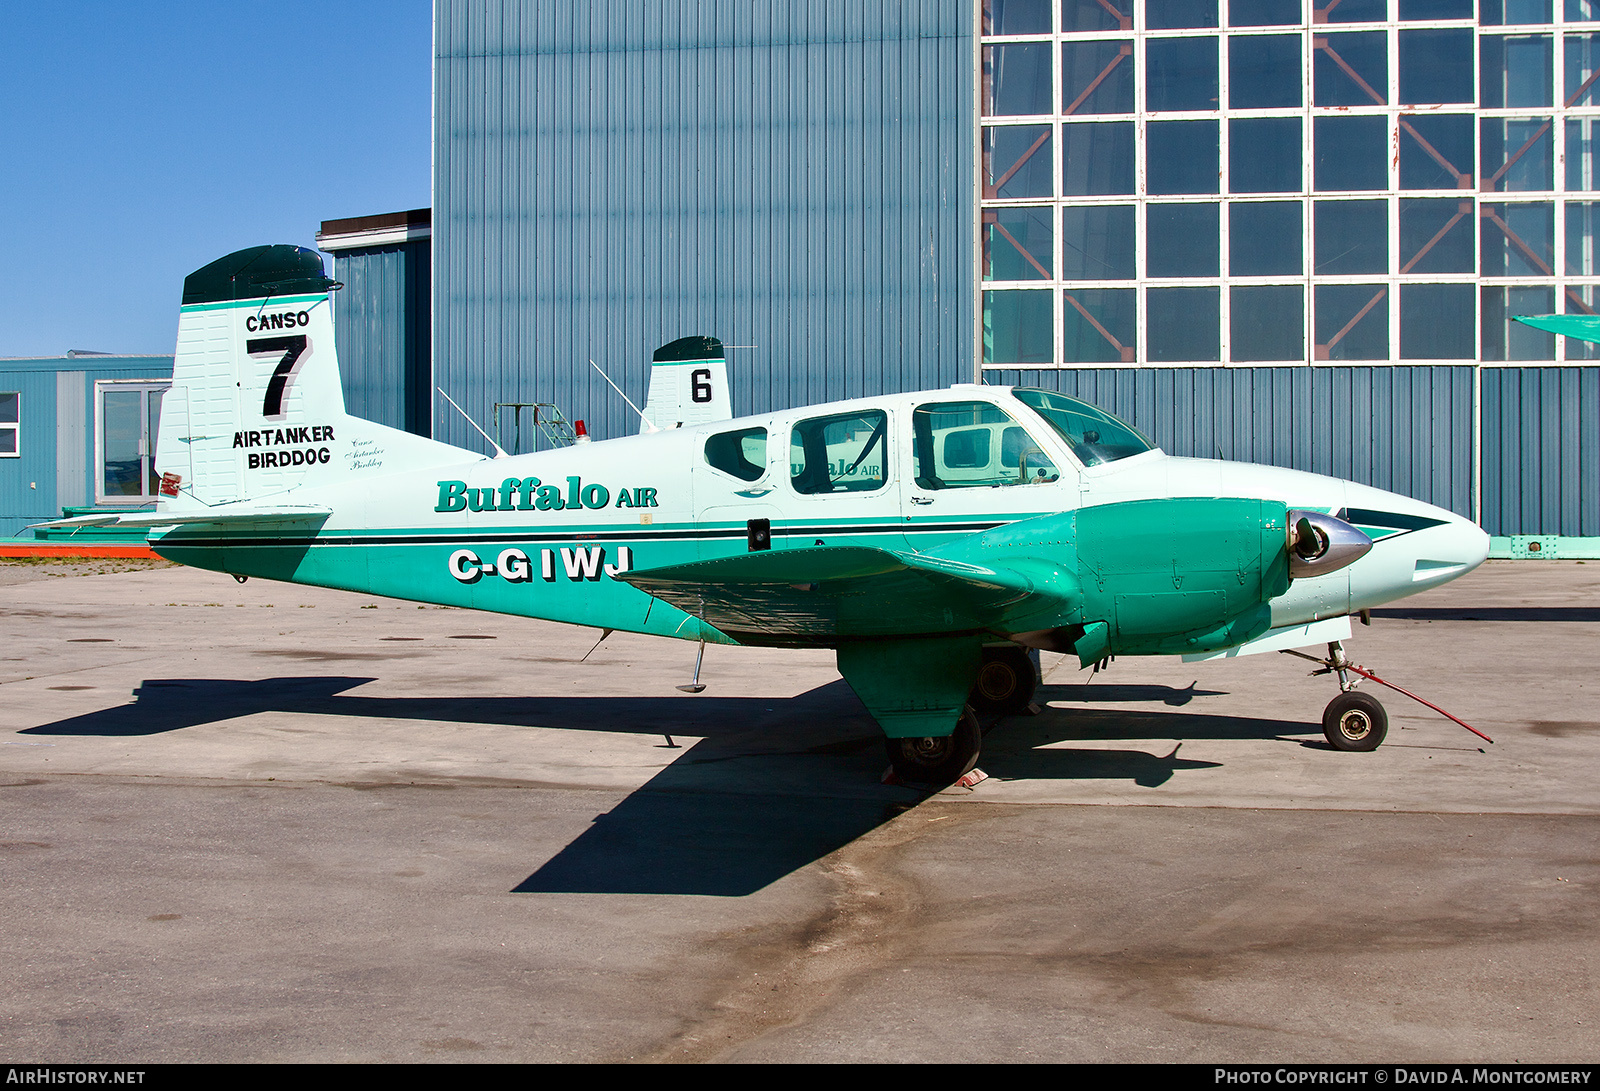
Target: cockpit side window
742	454
845	453
964	445
1094	435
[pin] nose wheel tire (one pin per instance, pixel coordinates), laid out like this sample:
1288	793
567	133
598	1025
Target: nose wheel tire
1355	722
1007	681
938	760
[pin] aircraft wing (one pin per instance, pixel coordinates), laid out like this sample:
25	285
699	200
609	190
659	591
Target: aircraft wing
842	591
1584	327
225	514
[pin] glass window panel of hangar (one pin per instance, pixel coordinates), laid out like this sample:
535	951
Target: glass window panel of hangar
1286	181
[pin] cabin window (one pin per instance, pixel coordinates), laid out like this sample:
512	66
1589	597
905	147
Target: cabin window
742	454
962	445
128	419
10	423
1093	435
844	453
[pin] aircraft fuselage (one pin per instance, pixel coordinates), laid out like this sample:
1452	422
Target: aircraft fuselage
550	534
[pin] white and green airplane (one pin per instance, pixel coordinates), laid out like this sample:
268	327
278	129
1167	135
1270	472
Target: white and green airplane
930	538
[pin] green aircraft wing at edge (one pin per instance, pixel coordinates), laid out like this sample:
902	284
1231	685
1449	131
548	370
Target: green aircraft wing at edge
1584	327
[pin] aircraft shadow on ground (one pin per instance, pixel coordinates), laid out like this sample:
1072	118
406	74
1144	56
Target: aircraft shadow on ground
697	827
1116	694
1492	613
1040	747
172	704
665	841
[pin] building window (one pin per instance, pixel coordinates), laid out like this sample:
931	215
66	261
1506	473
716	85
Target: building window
10	424
1194	182
127	421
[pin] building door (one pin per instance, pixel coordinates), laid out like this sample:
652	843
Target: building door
127	421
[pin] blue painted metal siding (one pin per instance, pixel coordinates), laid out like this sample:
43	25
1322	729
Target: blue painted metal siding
1405	429
796	177
1541	450
382	323
29	489
28	482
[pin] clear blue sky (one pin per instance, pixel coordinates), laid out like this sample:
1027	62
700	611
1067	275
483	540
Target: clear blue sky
141	140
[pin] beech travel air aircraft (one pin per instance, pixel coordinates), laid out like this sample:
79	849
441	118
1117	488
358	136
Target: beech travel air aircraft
930	538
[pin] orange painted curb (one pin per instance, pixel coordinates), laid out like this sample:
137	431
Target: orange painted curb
47	550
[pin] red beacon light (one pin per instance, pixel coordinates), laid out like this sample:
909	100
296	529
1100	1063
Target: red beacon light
580	434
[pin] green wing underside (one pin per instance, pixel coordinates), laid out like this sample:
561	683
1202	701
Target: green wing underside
843	592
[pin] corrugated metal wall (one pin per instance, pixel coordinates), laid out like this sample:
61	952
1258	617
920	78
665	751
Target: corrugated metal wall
797	177
382	322
56	463
1405	429
1541	450
28	482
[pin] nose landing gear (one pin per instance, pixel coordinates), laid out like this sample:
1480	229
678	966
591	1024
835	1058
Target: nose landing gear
1356	722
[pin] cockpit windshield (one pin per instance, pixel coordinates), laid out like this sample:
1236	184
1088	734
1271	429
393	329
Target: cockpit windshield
1094	436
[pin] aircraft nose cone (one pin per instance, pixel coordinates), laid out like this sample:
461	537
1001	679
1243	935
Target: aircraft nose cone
1451	550
1416	546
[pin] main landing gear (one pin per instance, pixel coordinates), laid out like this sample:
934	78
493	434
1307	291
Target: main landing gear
1007	682
938	760
1356	722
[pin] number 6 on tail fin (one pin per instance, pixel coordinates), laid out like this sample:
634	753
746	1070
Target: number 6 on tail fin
688	385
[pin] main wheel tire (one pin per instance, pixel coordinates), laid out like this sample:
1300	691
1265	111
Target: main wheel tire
1007	681
939	759
1355	722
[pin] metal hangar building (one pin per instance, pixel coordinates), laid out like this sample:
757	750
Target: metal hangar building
1279	231
1285	231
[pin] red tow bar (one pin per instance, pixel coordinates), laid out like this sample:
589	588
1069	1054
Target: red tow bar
1363	672
1368	674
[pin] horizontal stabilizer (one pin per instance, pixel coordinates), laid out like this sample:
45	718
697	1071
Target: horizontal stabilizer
227	513
845	591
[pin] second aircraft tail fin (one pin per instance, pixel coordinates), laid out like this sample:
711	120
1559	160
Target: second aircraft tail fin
688	384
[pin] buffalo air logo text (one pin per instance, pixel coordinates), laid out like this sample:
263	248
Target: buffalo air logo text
515	566
293	446
531	494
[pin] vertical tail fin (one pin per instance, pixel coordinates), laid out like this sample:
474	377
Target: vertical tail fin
688	384
256	405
